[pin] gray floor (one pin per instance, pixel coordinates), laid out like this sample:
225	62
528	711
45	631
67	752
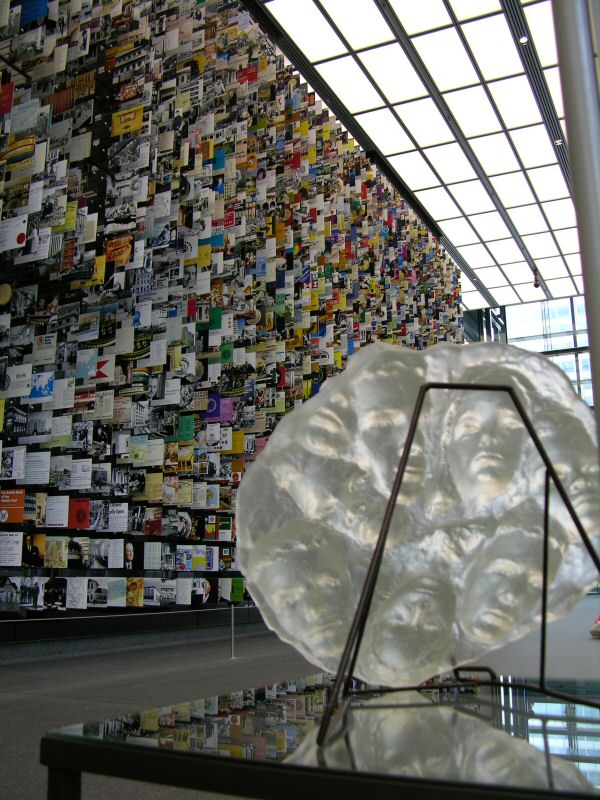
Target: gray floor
40	694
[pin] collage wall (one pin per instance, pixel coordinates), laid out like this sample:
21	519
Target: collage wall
189	246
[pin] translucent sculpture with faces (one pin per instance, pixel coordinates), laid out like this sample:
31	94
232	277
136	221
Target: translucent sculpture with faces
461	574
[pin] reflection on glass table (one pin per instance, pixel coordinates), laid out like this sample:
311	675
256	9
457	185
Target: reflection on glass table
261	743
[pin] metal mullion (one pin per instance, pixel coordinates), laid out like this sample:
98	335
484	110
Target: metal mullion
437	97
517	22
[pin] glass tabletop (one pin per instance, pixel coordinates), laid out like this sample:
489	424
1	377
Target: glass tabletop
501	736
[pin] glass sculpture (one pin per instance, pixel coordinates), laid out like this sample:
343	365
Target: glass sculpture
461	574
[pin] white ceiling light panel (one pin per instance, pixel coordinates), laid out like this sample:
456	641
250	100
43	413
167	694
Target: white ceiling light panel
541	24
540	245
506	296
568	240
385	130
393	72
519	272
548	183
422	16
472	197
311	31
550	268
439	203
560	213
574	263
363	26
473	300
513	189
529	293
493	47
528	219
515	101
553	80
351	85
505	251
425	122
467	9
459	231
476	256
437	51
533	146
450	163
494	153
414	170
489	225
563	287
473	111
491	277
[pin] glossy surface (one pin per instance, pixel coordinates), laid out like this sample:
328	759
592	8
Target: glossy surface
461	574
466	734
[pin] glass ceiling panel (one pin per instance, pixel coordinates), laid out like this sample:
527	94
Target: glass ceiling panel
473	300
494	153
385	130
528	219
540	245
562	287
425	122
467	9
450	163
568	240
505	251
311	31
574	263
513	189
515	101
350	84
422	16
579	283
439	203
363	26
534	146
551	268
548	183
518	272
465	284
394	73
560	213
528	292
414	170
552	76
492	45
476	255
506	296
440	49
491	277
473	111
541	25
490	225
472	197
459	231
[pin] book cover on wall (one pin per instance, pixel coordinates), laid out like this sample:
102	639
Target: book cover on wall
12	505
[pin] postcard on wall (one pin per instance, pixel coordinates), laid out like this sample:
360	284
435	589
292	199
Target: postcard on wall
11	546
117	590
17	382
57	552
57	511
77	592
13	463
37	468
12	505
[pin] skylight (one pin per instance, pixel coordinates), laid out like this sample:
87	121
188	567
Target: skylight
311	31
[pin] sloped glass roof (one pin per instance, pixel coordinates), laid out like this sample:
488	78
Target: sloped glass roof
460	101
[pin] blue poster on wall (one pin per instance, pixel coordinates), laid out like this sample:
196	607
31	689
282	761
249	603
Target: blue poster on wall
32	10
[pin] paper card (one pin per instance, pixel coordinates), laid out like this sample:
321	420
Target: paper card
13	463
79	513
77	592
117	517
37	468
12	505
17	381
13	232
11	547
57	512
57	552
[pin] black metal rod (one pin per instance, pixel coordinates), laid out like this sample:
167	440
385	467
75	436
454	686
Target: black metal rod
545	581
350	653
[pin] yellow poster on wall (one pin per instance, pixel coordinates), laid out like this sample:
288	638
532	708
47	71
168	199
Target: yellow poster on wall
127	121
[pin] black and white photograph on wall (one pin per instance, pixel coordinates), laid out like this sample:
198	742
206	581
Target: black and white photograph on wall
99	515
32	592
38	428
55	592
152	591
120	480
78	552
136	519
101	477
97	592
137	483
98	553
82	436
15	418
101	439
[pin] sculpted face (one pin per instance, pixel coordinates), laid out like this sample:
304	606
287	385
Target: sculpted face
461	570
